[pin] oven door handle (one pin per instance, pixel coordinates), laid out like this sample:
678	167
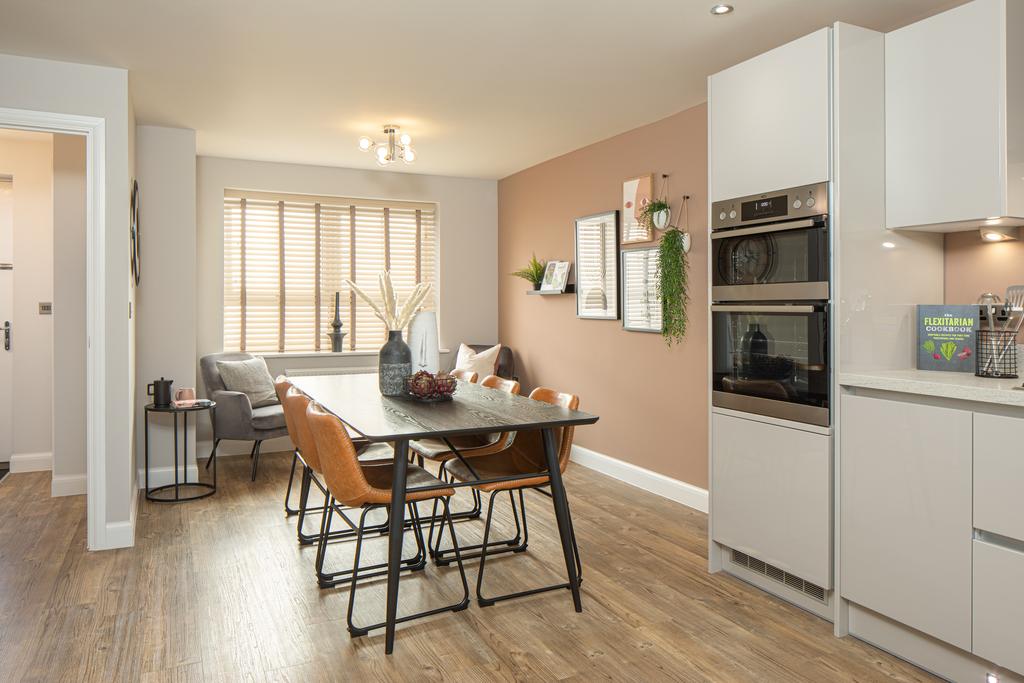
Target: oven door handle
762	308
761	229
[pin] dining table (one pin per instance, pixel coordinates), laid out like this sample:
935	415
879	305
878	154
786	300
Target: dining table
356	400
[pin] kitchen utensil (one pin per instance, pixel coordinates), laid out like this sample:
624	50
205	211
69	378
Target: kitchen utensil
988	301
1015	304
160	390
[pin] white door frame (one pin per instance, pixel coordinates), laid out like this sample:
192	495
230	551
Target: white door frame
93	129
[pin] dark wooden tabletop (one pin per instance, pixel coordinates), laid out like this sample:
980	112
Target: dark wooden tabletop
357	401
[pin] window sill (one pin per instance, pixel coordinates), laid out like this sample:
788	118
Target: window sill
324	354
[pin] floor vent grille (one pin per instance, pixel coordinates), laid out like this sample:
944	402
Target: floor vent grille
776	574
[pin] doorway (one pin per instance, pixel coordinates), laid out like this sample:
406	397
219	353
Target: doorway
42	307
6	317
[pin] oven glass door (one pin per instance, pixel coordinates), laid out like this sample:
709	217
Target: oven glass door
772	360
789	260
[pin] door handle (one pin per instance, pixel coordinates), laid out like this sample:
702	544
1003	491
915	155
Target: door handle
7	335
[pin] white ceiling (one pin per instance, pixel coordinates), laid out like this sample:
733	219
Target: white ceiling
485	88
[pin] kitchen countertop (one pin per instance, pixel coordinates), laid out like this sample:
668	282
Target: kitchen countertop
958	385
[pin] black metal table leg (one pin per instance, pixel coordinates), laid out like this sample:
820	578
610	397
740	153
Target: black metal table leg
396	534
177	486
562	515
147	453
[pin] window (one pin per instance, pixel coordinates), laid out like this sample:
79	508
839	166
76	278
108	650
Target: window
286	255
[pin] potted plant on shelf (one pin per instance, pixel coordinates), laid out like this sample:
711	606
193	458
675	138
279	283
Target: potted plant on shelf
656	214
533	272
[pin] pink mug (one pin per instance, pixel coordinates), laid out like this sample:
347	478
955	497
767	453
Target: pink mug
185	394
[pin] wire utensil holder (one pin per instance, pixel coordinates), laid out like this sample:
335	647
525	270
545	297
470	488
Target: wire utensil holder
996	354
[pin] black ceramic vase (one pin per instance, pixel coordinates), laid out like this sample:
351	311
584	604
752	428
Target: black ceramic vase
395	365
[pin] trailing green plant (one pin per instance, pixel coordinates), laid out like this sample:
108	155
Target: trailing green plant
652	207
673	285
533	272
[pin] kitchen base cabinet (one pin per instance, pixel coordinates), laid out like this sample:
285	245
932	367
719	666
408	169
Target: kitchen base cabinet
999	476
906	528
771	495
999	604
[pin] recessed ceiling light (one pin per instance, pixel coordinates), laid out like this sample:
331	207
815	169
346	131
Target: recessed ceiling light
889	245
999	234
721	9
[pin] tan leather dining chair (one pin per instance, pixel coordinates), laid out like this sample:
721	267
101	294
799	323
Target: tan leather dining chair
367	485
464	375
295	404
469	446
525	457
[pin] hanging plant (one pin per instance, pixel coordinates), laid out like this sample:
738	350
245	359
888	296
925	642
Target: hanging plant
672	285
656	214
673	281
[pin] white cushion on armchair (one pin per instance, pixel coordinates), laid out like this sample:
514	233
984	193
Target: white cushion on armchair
483	363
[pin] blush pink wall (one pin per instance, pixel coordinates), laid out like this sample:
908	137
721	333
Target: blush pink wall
652	399
974	267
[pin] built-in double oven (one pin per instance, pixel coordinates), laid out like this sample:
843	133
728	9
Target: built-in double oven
770	304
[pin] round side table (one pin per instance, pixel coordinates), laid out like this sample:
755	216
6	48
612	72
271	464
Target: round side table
204	489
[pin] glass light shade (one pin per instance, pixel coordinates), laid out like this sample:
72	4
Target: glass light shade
405	139
365	143
409	155
382	153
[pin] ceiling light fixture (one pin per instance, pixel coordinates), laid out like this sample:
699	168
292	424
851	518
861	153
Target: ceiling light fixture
398	146
999	234
718	10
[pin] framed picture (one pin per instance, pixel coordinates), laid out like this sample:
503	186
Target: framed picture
636	193
556	275
597	266
641	305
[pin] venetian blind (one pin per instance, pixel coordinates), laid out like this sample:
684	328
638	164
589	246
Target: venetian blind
286	255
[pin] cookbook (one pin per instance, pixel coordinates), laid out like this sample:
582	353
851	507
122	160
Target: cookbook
945	337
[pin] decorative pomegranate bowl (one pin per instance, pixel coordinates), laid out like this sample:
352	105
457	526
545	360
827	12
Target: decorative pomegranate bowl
429	388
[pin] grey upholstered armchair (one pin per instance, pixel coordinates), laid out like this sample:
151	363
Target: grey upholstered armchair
235	418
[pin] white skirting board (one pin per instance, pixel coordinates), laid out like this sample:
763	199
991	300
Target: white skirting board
31	462
122	534
161	476
67	485
666	487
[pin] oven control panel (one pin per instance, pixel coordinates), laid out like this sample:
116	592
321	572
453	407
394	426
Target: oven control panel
770	207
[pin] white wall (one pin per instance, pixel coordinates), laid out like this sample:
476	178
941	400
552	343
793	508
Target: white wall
166	314
468	254
69	327
101	92
28	159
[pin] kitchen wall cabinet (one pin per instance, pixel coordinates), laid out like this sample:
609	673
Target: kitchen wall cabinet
771	493
768	120
999	476
906	528
954	117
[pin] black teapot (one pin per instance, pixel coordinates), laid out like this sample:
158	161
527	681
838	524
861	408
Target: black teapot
160	390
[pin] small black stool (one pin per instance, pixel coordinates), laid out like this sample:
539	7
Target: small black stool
204	488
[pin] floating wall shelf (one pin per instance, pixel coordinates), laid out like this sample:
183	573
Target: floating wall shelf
569	289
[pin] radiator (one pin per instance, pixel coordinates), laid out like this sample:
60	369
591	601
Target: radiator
306	372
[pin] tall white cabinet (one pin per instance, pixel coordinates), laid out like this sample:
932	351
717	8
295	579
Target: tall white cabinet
768	120
954	117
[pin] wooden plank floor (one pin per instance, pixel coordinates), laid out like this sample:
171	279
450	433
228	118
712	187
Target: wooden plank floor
219	590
